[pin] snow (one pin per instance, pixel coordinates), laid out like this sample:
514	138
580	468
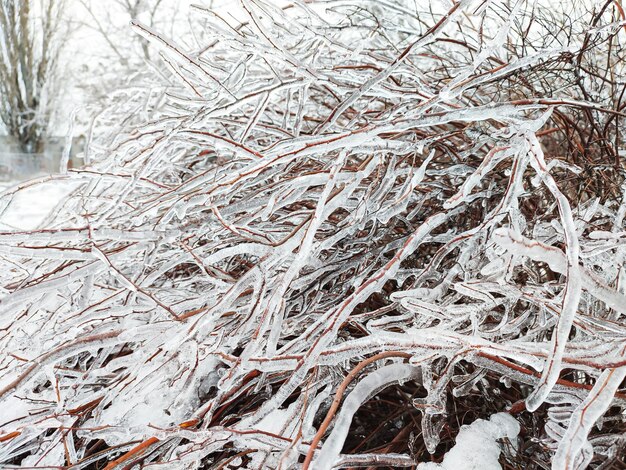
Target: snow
30	206
477	445
274	422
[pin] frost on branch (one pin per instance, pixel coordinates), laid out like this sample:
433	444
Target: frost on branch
350	228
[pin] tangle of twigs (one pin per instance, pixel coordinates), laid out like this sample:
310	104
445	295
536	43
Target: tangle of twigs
348	228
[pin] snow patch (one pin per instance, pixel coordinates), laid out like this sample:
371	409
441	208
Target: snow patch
30	206
476	445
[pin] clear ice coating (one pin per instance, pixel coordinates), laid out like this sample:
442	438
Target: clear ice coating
318	206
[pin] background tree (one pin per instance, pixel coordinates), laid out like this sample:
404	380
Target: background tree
120	61
117	69
32	35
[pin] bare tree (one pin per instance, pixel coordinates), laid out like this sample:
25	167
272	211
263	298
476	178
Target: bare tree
122	53
31	39
116	35
118	71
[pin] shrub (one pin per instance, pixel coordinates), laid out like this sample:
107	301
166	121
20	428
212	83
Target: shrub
350	228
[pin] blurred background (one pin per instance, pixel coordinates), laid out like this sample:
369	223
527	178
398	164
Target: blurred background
63	62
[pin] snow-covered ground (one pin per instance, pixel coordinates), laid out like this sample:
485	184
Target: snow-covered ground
31	205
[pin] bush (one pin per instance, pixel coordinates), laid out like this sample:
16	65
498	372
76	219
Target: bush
350	228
